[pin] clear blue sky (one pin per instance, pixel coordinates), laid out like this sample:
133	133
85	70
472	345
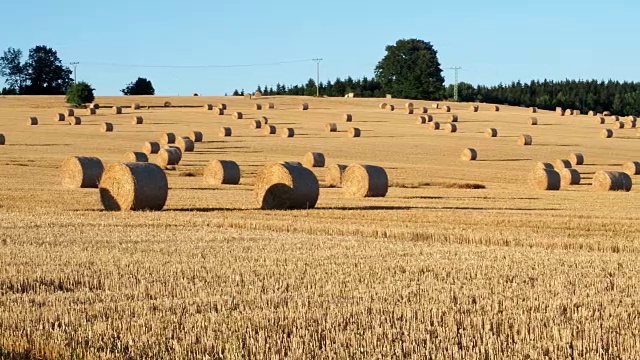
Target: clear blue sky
493	40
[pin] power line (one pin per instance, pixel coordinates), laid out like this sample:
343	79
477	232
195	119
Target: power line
455	85
75	67
317	60
195	66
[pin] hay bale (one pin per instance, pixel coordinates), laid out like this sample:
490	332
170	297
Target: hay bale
391	107
568	112
435	106
91	111
270	130
196	136
599	114
257	94
591	113
287	133
94	106
544	165
383	105
218	111
2	139
453	118
255	124
81	171
32	120
334	175
257	106
135	106
559	111
59	117
133	186
347	118
353	132
237	115
74	120
631	118
474	108
451	127
222	106
525	140
331	127
116	110
170	156
313	159
545	179
576	112
606	113
434	125
208	107
491	132
135	156
533	121
600	120
424	110
446	108
151	147
618	125
225	131
281	186
615	118
265	120
218	172
612	181
195	94
422	119
408	105
569	177
576	159
106	127
185	144
408	111
631	124
562	164
271	105
168	138
167	104
292	163
469	154
304	106
631	167
69	112
533	109
606	133
495	108
247	96
137	120
365	181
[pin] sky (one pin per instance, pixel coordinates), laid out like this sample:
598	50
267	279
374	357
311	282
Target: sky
493	40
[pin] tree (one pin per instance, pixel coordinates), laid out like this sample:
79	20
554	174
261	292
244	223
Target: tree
141	86
411	70
44	73
12	70
236	93
80	93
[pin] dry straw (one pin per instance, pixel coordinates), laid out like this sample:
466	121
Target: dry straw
453	118
612	181
135	156
135	106
446	108
347	118
74	120
304	106
69	112
491	132
225	131
116	110
544	165
170	156
545	179
222	106
618	125
423	119
424	110
208	107
287	133
257	106
615	118
271	105
237	115
569	177
576	159
265	120
2	139
270	130
606	133
382	105
631	167
533	121
281	186
525	140
408	111
353	132
562	164
391	107
365	181
451	127
196	136
81	171
474	108
94	106
106	127
408	105
435	106
151	147
568	112
469	154
576	112
331	127
218	172
133	186
606	113
218	111
434	125
247	96
495	108
255	124
600	120
631	124
137	120
533	110
91	111
334	175
591	113
313	159
59	117
32	120
185	144
168	138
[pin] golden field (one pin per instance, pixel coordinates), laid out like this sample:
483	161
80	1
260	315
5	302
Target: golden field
436	269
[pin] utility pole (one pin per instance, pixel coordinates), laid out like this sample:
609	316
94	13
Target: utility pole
75	66
318	76
455	85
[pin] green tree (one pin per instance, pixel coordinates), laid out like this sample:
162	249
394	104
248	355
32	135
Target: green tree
411	70
12	70
80	93
141	86
236	92
44	73
310	88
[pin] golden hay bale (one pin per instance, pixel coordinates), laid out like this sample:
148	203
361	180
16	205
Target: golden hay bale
408	105
423	119
631	118
606	113
612	181
334	175
271	105
599	114
347	117
217	111
434	125
287	133
424	110
615	118
91	111
69	112
382	105
391	107
151	147
453	118
474	108
94	106
533	109
292	163
568	112
435	106
196	136
544	165
281	186
116	110
2	139
576	159
81	171
137	120
469	154
167	104
304	106
218	172
185	144
168	138
451	127
74	120
591	113
59	117
365	181
569	177
106	127
269	130
135	106
265	120
606	133
208	107
559	111
618	125
257	94
313	159
331	127
562	164
545	179
169	156
446	108
600	120
237	115
533	121
247	96
576	112
225	131
258	106
631	167
222	106
491	132
135	156
32	120
133	186
353	132
495	108
255	124
408	111
525	140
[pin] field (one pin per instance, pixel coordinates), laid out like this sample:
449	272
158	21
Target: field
459	260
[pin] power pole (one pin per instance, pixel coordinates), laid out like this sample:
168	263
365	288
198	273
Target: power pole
455	85
318	76
75	67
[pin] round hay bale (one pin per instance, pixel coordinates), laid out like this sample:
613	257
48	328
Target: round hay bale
591	113
237	115
631	124
576	159
606	133
222	106
544	165
168	138
133	186
365	181
615	118
632	118
569	177
469	154
353	132
334	175
69	112
59	117
383	105
612	181
225	131
495	108
451	127
453	118
287	133
533	121
135	106
265	120
491	132
304	106
446	108
347	117
258	106
408	105
331	127
218	172
247	96
533	110
424	110
559	111
421	119
434	125
2	139
195	94
151	147
600	120
606	113
562	164
576	112
292	163
196	136
408	111
137	120
135	156
271	105
618	125
91	111
94	106
32	120
208	107
525	140
74	120
631	167
170	156
599	114
81	171
313	159
545	179
568	112
185	144
435	106
257	94
106	127
255	124
391	107
281	186
474	108
218	111
116	110
269	130
167	104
